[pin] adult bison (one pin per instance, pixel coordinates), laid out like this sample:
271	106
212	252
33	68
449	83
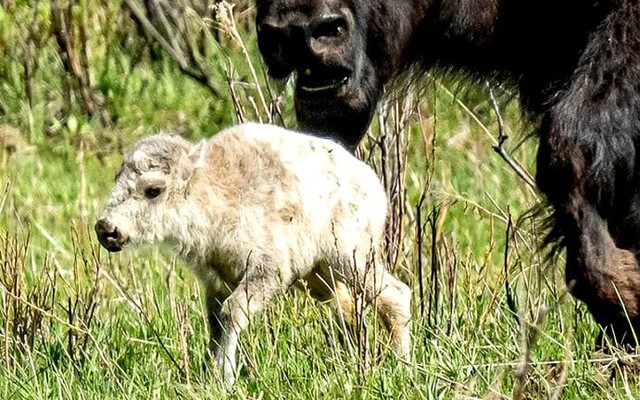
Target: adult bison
576	64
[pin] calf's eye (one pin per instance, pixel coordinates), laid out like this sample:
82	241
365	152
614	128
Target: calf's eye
152	192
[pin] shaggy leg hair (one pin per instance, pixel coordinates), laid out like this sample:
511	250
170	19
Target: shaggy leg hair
587	167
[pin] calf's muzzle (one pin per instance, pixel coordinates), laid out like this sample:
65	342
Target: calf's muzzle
109	236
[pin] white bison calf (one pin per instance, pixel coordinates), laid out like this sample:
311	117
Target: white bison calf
253	211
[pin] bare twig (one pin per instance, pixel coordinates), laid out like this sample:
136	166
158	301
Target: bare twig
224	16
76	63
419	238
510	300
153	330
29	60
237	103
499	148
178	48
529	341
434	294
520	171
175	53
565	367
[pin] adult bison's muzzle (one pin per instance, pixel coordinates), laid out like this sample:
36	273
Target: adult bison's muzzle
109	236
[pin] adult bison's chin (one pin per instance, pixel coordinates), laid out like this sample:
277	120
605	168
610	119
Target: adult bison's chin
343	111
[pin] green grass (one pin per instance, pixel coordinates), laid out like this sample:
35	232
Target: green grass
76	322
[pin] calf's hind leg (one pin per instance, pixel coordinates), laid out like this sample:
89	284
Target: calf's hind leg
345	307
323	287
391	299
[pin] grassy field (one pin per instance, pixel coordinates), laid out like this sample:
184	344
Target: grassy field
76	322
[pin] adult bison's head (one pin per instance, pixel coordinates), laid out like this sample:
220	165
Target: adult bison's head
331	49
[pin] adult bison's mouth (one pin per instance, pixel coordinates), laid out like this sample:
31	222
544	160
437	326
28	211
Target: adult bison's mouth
336	101
312	82
318	87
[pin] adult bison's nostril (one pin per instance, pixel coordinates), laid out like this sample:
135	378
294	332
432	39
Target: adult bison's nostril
279	46
329	27
109	236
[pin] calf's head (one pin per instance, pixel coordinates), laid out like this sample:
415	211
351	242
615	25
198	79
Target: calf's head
150	186
339	60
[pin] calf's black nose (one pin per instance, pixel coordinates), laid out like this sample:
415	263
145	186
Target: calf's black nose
109	236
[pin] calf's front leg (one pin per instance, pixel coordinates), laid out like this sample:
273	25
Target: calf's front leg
213	301
256	289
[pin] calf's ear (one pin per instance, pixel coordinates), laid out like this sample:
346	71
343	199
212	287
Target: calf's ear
196	159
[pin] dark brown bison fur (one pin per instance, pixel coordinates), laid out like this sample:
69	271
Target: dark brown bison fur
576	64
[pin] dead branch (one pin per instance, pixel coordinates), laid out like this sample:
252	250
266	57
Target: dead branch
529	340
434	293
499	148
419	240
75	62
171	29
510	300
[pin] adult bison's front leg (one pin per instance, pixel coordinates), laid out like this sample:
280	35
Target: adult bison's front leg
588	168
600	272
604	276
